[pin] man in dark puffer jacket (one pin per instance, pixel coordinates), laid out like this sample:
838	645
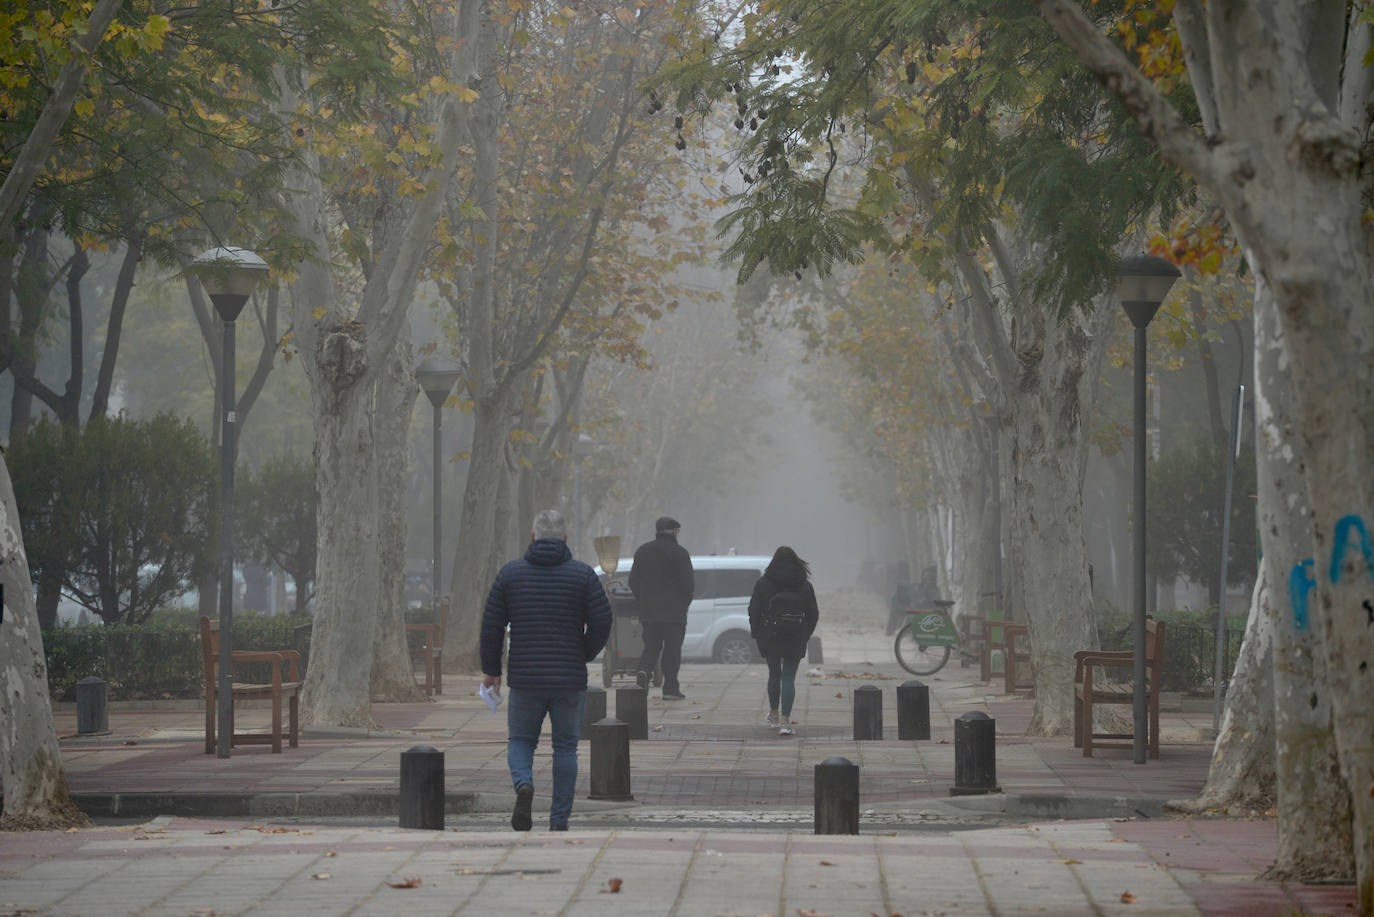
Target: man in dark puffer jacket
559	620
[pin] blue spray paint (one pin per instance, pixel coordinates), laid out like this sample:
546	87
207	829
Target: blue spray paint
1342	542
1300	585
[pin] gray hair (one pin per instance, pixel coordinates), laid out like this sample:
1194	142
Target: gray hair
549	524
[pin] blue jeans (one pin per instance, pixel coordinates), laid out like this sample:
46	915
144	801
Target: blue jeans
525	711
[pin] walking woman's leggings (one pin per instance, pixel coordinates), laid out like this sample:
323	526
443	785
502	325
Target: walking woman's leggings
782	683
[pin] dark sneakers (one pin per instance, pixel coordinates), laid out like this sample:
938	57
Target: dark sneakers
558	826
521	819
673	695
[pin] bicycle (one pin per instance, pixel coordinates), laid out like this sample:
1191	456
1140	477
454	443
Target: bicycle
923	642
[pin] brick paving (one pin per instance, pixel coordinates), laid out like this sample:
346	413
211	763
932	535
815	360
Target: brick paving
721	822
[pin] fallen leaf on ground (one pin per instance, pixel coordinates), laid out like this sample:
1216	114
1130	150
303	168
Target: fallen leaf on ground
330	853
612	886
1070	862
807	912
321	875
218	831
826	863
694	716
1127	898
408	882
658	728
203	912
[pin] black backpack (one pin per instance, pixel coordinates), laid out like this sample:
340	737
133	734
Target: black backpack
785	616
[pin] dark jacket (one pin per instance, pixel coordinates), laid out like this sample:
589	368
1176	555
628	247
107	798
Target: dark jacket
661	580
558	616
777	577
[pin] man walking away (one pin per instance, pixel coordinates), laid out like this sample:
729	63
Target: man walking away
559	619
661	580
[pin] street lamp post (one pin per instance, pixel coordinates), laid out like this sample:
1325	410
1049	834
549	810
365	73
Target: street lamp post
229	276
436	377
1142	283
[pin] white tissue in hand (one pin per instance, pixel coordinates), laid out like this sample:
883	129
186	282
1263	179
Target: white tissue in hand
491	697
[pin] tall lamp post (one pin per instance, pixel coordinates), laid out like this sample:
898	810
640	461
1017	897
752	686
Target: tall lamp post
436	377
1142	283
229	276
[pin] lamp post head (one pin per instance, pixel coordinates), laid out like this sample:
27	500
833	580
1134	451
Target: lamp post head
1142	283
436	377
229	276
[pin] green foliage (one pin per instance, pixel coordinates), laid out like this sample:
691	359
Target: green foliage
151	661
1184	522
275	518
950	116
1190	646
123	513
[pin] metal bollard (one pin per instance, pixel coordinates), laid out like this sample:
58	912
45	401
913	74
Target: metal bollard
913	710
92	710
632	709
868	714
837	797
610	778
975	755
813	651
422	788
593	710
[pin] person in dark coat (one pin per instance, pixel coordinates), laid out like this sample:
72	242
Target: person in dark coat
662	582
784	590
559	619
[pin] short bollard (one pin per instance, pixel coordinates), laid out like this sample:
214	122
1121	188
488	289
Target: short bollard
975	755
92	711
422	788
868	714
813	651
837	797
610	777
632	709
594	709
913	711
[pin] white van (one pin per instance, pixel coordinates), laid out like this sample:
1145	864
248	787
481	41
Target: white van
717	619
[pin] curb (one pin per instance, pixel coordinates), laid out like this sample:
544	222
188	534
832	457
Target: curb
261	805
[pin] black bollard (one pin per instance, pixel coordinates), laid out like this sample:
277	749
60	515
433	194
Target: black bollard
837	797
913	710
975	755
813	651
632	709
610	777
92	711
868	714
422	788
594	710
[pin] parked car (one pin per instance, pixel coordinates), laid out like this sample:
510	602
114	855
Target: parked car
718	618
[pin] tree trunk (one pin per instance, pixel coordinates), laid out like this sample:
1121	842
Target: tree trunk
393	678
1045	416
31	772
1242	778
337	689
1313	798
472	568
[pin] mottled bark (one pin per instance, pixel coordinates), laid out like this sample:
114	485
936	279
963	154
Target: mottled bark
393	677
31	772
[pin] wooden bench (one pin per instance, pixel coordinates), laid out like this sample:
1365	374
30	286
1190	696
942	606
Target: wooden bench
287	688
1090	688
1016	659
429	648
976	640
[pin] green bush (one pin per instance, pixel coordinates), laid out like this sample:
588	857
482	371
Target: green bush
1189	646
153	661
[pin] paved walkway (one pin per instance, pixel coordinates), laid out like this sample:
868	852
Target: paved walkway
721	824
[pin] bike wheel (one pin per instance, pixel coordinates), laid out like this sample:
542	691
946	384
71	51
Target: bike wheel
916	658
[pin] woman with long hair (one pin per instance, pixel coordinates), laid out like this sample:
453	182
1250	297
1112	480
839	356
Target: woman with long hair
782	617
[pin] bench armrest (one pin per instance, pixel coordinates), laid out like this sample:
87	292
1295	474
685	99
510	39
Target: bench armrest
1086	659
277	658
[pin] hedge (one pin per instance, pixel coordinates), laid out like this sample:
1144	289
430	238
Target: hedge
159	660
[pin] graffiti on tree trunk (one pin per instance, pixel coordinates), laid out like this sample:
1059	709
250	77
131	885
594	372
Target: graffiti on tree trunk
1301	582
